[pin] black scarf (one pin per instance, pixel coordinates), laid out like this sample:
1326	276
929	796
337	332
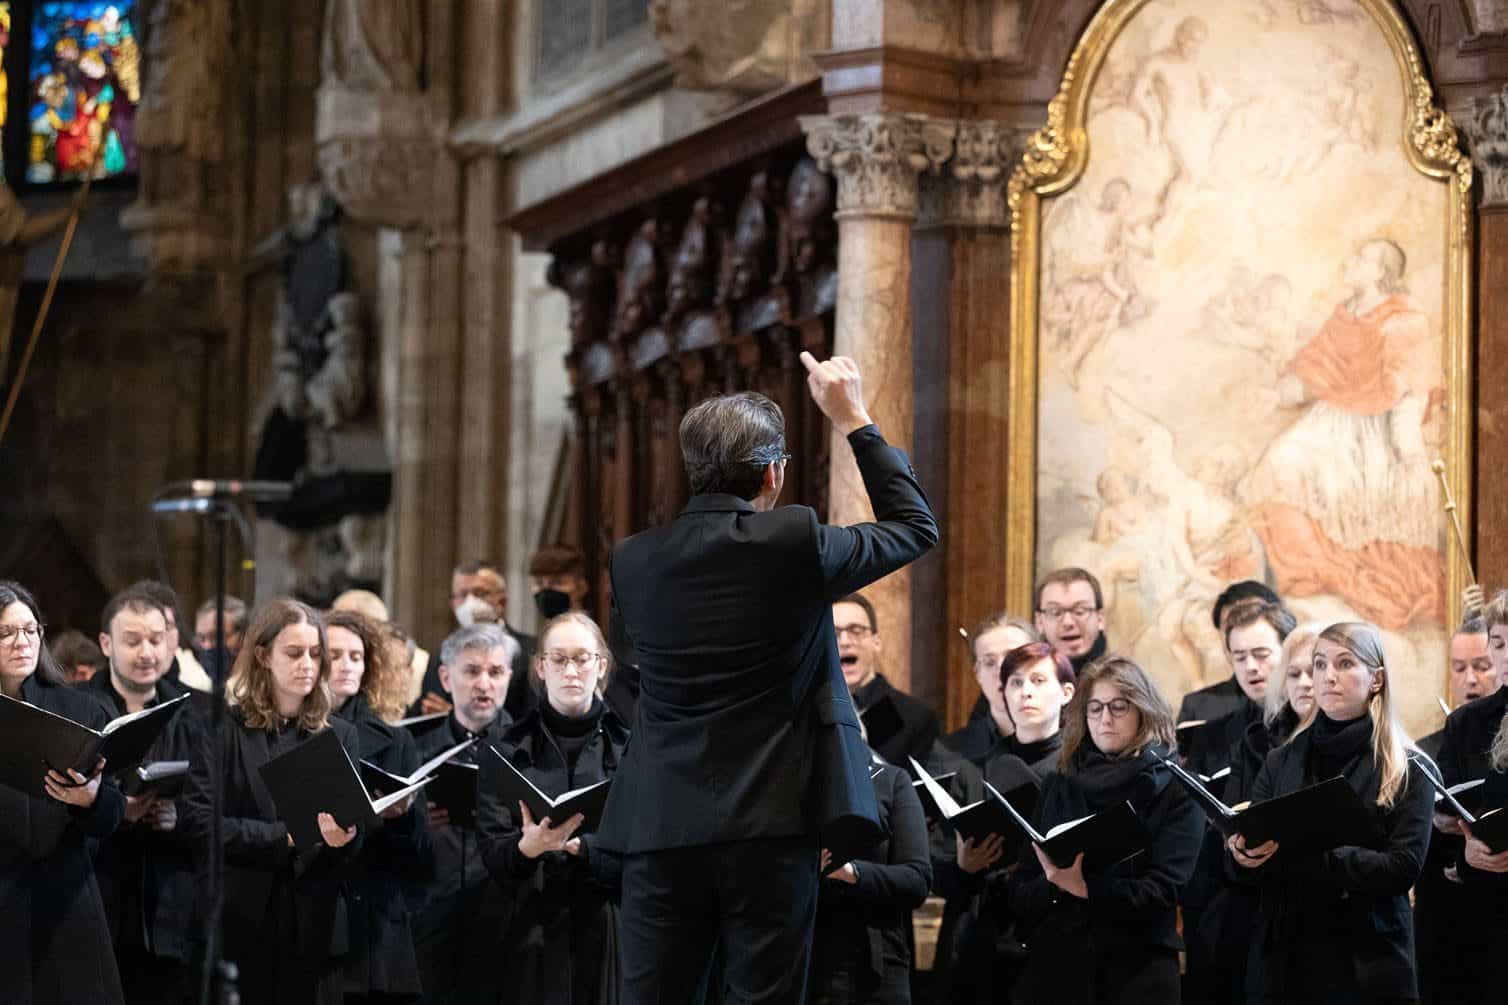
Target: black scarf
571	733
1106	780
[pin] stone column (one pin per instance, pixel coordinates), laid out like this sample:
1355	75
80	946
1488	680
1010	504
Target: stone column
877	159
1484	122
962	263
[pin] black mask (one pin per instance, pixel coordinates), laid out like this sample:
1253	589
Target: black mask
551	603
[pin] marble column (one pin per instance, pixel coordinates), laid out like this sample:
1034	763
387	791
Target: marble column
1484	122
877	159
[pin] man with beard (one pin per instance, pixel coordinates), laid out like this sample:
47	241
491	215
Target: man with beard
1070	614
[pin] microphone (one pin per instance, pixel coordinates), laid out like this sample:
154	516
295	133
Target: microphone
182	506
210	488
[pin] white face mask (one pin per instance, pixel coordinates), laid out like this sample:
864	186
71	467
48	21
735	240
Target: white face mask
475	611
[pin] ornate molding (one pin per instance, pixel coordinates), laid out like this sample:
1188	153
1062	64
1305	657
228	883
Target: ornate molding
971	190
877	158
1485	123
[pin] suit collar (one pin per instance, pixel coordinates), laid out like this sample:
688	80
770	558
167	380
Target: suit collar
718	503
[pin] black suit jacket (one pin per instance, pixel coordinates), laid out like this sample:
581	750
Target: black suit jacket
745	728
1213	702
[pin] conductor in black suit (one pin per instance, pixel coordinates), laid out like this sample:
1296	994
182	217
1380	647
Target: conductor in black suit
747	756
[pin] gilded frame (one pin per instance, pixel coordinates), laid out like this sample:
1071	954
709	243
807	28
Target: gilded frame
1053	162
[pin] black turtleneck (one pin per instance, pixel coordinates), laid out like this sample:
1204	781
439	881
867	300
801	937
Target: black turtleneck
1337	744
1040	755
868	694
573	733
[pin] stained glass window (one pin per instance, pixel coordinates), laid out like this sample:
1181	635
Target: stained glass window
85	84
4	72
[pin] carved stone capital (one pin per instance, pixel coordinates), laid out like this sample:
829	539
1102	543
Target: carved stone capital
376	155
971	190
1489	16
877	158
1485	123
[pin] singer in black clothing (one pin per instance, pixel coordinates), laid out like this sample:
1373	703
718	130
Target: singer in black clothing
1217	914
861	953
456	912
746	753
381	966
286	908
989	722
1097	933
979	956
561	946
147	868
54	937
1475	745
1334	927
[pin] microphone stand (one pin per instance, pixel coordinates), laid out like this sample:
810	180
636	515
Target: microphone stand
217	972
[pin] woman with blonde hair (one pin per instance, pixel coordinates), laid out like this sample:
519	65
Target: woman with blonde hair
1334	926
284	906
1098	933
366	688
1475	745
562	942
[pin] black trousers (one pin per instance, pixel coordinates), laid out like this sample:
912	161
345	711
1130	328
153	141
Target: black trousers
757	899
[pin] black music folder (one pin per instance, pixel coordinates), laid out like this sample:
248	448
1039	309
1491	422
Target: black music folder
1104	838
453	789
986	816
318	777
160	779
929	805
34	740
378	779
1317	818
1489	826
589	800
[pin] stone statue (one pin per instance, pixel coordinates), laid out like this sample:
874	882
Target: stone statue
695	265
750	46
319	432
374	45
20	230
182	106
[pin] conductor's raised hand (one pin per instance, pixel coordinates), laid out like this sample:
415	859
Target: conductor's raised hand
838	390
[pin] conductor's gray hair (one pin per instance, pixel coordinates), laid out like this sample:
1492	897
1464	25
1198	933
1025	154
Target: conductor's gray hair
485	637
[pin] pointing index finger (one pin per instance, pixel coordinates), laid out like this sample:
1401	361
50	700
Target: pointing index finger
809	361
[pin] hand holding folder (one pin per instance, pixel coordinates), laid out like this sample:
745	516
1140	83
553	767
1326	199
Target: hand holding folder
1318	818
978	820
34	741
1489	826
1103	838
317	778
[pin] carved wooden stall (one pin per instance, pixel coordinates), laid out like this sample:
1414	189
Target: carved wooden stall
702	268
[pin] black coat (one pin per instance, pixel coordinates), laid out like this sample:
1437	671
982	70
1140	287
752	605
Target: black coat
455	911
1355	898
287	911
382	958
1218	911
148	878
1213	702
560	944
861	952
979	955
976	739
1466	754
54	936
1075	948
745	726
918	730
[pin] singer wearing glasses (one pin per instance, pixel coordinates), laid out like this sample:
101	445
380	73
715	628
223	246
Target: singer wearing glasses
54	939
563	942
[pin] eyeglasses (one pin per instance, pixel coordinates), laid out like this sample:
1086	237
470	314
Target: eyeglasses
1079	611
1118	708
10	635
857	632
581	661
